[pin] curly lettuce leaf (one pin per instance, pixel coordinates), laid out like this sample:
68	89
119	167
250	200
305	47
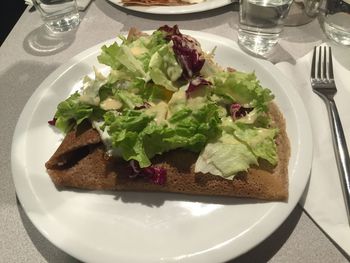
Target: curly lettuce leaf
125	133
123	59
242	88
72	112
132	58
260	141
139	137
164	69
153	93
225	157
240	146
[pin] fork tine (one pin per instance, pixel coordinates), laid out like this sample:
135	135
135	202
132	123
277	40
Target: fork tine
319	67
324	73
330	64
313	66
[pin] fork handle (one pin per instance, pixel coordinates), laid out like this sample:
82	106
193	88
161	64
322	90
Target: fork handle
341	152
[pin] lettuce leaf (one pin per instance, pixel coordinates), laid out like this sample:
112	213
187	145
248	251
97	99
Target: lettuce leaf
164	69
140	138
133	57
242	88
260	140
125	133
153	93
122	58
72	112
240	146
225	157
129	100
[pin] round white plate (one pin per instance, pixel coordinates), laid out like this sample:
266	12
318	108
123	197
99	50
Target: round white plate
181	9
149	227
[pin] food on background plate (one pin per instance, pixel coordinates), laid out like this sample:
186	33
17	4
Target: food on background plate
161	2
168	118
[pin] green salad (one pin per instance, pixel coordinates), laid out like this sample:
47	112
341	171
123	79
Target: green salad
163	92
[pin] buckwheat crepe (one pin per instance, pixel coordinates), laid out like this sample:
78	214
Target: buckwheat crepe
81	162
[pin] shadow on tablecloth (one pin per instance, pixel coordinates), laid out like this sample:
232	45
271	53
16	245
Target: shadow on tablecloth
43	42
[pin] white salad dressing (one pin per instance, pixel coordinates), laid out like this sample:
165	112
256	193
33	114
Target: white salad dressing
91	88
106	139
159	110
111	104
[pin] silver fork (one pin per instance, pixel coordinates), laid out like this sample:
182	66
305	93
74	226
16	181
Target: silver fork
322	82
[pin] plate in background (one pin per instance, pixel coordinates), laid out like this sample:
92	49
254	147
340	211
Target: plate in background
176	10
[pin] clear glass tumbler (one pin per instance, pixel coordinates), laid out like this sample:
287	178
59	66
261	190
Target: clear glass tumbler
58	15
335	20
260	24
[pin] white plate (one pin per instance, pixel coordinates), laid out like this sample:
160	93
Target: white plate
182	9
148	227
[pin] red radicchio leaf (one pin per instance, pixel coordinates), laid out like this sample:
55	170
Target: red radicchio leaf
170	31
195	84
186	49
156	175
238	111
52	122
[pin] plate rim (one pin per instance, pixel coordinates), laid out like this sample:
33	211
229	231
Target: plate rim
175	10
286	208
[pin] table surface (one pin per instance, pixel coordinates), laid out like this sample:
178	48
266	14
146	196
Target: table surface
28	56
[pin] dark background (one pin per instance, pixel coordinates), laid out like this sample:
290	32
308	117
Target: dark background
10	12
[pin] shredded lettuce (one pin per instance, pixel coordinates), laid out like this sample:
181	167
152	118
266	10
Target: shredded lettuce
164	93
139	137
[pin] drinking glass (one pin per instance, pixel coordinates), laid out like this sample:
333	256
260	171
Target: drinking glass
58	15
335	20
260	24
302	12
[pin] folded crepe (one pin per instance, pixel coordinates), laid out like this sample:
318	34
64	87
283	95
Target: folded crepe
81	162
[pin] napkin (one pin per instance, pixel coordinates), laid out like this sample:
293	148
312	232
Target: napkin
323	199
82	4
